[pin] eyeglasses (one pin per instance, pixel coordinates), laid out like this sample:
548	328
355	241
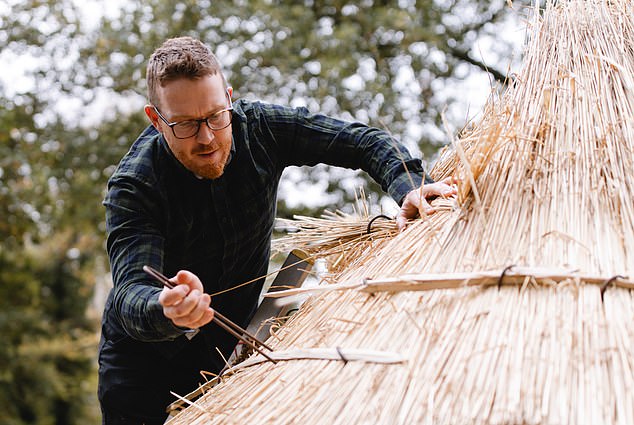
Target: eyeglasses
190	128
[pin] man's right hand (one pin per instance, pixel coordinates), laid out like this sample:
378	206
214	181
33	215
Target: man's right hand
186	304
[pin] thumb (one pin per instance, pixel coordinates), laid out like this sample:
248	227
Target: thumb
401	221
424	207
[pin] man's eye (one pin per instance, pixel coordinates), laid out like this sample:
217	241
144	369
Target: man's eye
215	118
187	124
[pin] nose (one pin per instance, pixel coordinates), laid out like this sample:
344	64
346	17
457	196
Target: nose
205	135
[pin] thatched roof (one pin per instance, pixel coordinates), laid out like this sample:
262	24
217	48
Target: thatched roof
547	186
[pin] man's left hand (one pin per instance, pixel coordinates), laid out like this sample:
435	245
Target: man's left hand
415	203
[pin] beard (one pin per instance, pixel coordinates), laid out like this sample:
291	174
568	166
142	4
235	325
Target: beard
206	162
214	167
211	171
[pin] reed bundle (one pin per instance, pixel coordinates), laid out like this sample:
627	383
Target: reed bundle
546	183
340	237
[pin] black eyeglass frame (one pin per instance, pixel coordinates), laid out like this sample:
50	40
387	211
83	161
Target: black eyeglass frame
171	125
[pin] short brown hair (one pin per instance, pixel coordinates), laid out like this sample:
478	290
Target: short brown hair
181	57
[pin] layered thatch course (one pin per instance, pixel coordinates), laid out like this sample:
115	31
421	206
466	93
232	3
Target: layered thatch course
547	187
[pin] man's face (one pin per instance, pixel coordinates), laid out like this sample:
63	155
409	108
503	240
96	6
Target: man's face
206	153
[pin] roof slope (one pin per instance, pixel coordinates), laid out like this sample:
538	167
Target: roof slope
547	186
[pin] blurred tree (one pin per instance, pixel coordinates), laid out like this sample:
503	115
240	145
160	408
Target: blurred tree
393	64
48	342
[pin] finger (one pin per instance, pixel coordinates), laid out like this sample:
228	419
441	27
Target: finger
424	207
447	191
439	189
199	309
449	180
188	278
187	306
172	297
401	222
206	317
190	320
409	209
199	316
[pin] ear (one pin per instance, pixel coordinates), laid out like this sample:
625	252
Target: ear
152	116
230	91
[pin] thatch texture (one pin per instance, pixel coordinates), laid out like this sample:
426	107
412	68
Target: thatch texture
546	185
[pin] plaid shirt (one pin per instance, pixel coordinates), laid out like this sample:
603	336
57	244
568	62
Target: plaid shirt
158	213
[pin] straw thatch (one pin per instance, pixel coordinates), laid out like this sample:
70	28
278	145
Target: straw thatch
546	187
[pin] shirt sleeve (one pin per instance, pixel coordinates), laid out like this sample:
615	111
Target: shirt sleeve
134	241
302	138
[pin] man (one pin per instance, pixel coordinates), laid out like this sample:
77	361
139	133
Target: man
195	198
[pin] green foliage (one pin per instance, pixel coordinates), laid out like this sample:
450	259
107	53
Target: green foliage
47	354
338	57
60	140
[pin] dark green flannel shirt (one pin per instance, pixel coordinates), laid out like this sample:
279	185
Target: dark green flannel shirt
158	213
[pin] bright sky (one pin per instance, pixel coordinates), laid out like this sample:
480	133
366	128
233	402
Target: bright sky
476	86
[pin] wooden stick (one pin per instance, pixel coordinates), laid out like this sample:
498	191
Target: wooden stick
219	319
431	281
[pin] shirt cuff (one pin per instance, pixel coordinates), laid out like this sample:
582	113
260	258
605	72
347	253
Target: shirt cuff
411	177
164	326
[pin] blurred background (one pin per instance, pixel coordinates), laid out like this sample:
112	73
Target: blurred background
72	88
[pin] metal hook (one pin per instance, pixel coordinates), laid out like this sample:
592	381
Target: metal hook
605	284
345	360
506	269
372	221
